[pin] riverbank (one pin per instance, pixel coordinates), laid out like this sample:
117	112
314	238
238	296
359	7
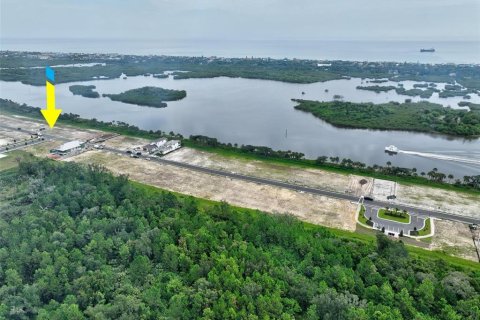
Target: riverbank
420	116
229	150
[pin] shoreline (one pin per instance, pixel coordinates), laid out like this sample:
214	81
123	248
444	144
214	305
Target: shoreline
224	149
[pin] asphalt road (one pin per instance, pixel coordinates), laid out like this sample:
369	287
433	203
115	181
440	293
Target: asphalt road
322	192
276	183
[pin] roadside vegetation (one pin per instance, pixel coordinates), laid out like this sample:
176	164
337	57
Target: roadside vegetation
362	218
148	96
106	248
426	230
84	91
420	116
432	178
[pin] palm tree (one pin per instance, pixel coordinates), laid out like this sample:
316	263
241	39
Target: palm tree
389	163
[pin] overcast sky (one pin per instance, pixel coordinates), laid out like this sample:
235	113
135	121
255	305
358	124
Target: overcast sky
243	19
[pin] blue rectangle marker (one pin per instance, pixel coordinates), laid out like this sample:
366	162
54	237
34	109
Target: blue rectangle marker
50	74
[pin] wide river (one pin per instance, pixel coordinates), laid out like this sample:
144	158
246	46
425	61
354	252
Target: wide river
261	112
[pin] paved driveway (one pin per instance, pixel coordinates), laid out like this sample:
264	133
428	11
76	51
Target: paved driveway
416	220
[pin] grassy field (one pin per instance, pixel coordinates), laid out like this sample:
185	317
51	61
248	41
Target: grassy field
12	158
382	213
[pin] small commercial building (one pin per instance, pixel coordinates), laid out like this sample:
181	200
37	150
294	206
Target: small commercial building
68	147
154	146
169	146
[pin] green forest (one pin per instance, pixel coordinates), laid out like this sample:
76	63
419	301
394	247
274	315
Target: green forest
78	243
84	91
148	96
420	116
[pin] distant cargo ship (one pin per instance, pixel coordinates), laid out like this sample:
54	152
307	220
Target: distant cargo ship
391	149
427	50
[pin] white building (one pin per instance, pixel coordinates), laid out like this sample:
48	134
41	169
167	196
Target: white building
68	147
154	146
169	146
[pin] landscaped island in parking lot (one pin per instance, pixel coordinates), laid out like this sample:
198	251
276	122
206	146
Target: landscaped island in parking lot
148	96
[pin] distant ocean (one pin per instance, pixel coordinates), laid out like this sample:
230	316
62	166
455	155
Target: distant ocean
398	51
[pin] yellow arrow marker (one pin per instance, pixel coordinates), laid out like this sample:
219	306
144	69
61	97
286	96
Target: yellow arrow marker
51	114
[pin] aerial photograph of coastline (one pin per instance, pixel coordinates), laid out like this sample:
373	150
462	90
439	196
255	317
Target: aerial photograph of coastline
226	159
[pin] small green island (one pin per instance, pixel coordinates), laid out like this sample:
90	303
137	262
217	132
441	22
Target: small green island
420	116
148	96
416	91
84	91
423	90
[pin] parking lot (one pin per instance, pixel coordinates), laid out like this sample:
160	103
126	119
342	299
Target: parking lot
416	221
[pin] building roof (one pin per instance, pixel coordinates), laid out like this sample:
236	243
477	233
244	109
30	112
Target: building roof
154	145
70	145
169	144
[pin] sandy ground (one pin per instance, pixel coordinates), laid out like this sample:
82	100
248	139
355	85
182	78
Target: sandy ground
454	238
125	143
66	132
7	136
4	140
312	208
383	188
438	199
301	176
430	198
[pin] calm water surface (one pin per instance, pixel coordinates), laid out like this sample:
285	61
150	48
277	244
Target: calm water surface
400	51
259	112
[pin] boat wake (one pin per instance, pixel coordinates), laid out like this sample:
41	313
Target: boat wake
442	157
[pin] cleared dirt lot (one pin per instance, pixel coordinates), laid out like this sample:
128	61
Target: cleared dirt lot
66	132
454	238
300	176
432	198
307	207
42	149
125	143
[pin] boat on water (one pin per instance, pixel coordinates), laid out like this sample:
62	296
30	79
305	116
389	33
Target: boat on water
427	50
391	149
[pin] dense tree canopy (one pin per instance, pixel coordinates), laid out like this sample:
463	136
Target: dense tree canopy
148	96
421	116
76	243
84	91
